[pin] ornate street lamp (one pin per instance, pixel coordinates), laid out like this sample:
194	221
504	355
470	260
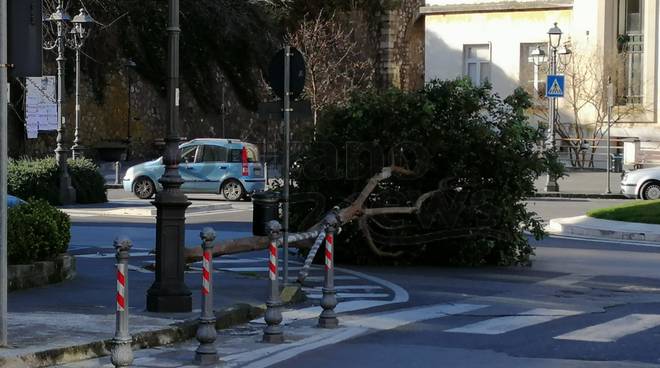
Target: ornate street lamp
557	56
61	19
169	292
79	33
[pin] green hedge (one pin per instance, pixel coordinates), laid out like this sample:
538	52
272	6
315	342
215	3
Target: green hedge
30	178
37	231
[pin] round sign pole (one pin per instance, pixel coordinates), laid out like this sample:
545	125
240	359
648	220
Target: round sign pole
287	133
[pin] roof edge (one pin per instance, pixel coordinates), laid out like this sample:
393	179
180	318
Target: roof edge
501	6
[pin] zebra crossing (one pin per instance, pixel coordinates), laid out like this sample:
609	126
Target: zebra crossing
615	328
348	286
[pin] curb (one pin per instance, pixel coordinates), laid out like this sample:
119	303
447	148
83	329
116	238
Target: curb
578	195
601	229
225	318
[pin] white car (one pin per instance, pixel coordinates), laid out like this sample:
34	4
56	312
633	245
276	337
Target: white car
642	183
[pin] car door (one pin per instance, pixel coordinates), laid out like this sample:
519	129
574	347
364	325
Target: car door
212	167
187	169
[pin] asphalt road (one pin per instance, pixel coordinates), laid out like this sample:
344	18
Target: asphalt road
581	304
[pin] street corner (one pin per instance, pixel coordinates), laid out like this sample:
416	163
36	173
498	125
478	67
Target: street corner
589	227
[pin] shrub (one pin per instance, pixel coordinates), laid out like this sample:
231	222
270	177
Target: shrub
37	231
472	152
38	178
88	181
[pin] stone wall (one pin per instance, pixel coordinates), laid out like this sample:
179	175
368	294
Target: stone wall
106	121
401	46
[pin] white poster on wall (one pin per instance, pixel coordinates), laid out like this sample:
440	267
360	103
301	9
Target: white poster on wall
40	105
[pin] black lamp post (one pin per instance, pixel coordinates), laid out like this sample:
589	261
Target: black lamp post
556	56
79	34
169	292
61	19
129	65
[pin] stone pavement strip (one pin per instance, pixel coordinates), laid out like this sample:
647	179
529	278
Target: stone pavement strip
585	226
75	320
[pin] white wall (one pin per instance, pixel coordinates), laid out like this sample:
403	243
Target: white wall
447	34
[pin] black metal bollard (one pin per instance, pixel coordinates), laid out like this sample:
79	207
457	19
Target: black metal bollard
121	354
273	331
206	353
328	317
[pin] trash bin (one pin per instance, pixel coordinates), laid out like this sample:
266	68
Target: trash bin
265	208
617	163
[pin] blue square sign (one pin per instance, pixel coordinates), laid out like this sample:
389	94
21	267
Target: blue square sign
555	86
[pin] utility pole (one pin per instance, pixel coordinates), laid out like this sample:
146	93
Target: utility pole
610	103
287	144
3	172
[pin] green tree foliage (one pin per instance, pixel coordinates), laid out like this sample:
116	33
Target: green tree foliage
38	178
37	231
236	36
473	154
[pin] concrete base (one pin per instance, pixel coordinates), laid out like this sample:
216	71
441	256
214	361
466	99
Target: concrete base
206	359
276	338
169	303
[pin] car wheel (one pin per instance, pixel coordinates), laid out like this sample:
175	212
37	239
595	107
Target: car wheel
232	190
651	191
144	188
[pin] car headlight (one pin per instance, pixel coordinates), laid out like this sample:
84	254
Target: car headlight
130	174
625	178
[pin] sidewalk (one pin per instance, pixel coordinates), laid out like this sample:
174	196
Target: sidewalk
74	320
586	226
582	184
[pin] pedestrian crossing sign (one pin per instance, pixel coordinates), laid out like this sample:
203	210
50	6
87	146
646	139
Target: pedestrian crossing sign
555	86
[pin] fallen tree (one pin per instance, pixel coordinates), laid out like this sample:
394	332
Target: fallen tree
355	211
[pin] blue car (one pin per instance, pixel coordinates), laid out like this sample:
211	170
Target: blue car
224	166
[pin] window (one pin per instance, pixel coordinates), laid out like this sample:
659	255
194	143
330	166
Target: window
532	77
630	44
188	154
214	154
235	155
477	63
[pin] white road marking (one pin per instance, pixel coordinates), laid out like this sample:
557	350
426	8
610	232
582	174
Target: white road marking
350	295
344	287
240	260
500	325
271	355
138	269
112	255
400	296
615	329
252	269
337	277
567	280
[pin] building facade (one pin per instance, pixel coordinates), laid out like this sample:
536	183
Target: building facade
492	40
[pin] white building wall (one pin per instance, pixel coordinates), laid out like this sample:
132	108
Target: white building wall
446	36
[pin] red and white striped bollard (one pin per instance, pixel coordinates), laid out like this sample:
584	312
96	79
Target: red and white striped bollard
206	354
121	354
328	317
273	317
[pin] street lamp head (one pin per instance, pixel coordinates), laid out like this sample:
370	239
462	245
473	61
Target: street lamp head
82	23
60	15
555	36
538	56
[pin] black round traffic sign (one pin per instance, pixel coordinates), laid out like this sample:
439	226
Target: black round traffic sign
298	71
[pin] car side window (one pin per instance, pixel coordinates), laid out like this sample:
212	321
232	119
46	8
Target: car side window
188	154
235	155
214	154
